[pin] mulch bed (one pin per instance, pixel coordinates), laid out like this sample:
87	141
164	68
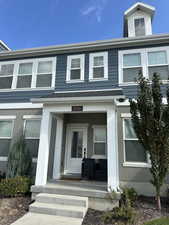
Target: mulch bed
145	208
12	209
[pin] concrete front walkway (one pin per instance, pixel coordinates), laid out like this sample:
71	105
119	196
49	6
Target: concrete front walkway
42	219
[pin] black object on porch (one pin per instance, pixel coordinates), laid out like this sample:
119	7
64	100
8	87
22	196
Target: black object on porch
94	169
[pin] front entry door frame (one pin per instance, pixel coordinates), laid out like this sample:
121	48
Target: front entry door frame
73	165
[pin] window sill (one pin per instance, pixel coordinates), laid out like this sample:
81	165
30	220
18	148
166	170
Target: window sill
26	89
74	81
101	79
137	165
128	84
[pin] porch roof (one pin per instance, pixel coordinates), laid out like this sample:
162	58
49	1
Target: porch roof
82	96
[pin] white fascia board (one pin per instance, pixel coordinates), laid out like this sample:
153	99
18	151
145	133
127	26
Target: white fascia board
86	46
145	7
27	105
76	99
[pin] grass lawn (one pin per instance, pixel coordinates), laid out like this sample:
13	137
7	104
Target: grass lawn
161	221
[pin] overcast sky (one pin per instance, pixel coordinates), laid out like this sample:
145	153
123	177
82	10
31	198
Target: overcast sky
34	23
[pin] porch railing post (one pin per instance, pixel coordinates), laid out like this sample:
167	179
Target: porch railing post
112	149
44	145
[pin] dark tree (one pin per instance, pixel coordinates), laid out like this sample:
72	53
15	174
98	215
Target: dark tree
150	119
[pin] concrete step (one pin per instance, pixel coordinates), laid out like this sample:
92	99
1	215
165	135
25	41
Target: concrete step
40	219
62	199
58	210
96	185
70	190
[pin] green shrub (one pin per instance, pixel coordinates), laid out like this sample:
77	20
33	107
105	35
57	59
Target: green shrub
125	213
128	194
19	160
13	187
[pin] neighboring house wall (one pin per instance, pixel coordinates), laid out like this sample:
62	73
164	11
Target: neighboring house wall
17	130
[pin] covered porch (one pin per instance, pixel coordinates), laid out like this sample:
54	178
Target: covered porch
67	138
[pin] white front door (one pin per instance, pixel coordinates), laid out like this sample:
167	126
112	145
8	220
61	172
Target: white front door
76	147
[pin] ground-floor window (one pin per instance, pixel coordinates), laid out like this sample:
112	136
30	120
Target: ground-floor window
32	134
6	132
99	141
133	149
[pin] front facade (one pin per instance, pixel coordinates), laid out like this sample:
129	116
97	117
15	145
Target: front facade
71	102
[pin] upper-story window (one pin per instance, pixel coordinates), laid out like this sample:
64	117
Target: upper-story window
139	25
24	78
131	66
157	62
148	61
28	74
98	68
75	68
6	75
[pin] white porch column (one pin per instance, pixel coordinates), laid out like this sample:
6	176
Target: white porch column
58	147
112	149
44	145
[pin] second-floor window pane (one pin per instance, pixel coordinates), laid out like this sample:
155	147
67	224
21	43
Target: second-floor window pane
130	60
98	67
6	76
75	71
157	63
44	74
24	75
131	67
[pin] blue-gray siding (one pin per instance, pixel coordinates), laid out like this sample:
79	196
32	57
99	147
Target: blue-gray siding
61	85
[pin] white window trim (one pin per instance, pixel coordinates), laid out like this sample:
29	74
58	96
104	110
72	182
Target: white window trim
128	163
94	155
34	73
8	118
30	117
82	66
144	62
105	60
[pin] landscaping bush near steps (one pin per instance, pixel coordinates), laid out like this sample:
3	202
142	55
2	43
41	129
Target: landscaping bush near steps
13	187
125	213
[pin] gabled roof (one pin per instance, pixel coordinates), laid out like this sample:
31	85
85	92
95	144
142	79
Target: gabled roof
4	46
142	6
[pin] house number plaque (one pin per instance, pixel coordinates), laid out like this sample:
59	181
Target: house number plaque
77	108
